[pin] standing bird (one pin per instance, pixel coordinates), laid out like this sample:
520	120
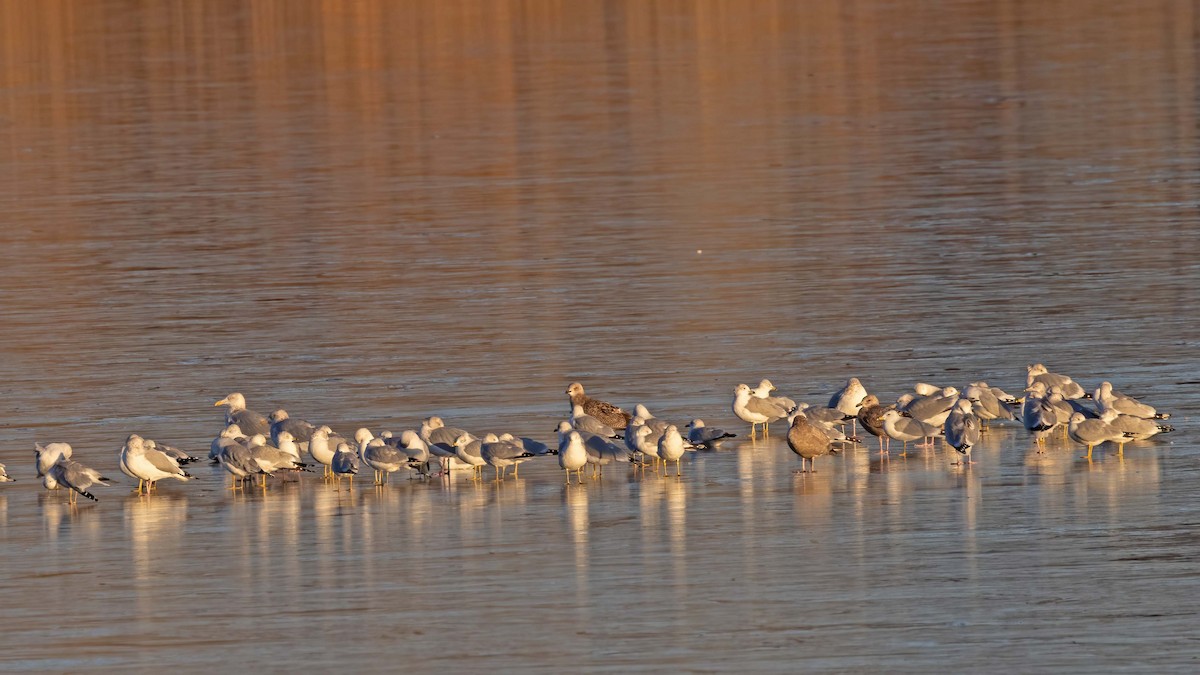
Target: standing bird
962	430
709	437
1093	432
322	445
808	441
248	421
236	459
764	389
670	449
585	422
572	457
849	400
148	465
74	476
750	408
602	410
503	454
1133	428
870	416
345	463
1038	414
904	429
382	458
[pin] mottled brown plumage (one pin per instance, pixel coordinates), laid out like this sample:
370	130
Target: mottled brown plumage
602	410
808	441
871	418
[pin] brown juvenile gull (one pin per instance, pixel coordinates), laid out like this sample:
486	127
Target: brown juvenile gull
248	421
808	441
602	410
870	416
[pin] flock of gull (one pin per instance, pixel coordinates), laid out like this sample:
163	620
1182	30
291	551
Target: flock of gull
252	447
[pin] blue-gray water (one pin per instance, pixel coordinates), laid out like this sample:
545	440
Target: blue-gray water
373	212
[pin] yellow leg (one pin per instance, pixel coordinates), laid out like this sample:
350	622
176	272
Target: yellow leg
1089	455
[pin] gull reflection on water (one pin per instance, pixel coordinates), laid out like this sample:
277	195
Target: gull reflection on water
575	502
154	524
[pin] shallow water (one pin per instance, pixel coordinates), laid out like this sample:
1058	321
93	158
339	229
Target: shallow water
372	212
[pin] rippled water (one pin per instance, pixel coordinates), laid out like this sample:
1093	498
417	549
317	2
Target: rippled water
371	212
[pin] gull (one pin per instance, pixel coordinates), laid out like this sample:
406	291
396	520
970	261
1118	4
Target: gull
300	430
1093	432
709	437
585	422
287	443
1134	428
833	425
649	420
645	441
750	408
905	429
469	450
1039	415
870	416
985	405
808	441
4	477
962	430
441	440
1001	395
573	456
237	460
322	445
849	398
270	458
601	410
382	458
249	421
171	451
148	465
670	449
1108	399
48	455
417	451
345	463
926	389
932	410
764	389
229	435
503	454
537	447
74	476
817	414
1038	373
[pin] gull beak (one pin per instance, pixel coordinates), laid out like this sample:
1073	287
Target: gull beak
223	401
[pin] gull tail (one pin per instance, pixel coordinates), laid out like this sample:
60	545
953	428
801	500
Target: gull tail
1162	416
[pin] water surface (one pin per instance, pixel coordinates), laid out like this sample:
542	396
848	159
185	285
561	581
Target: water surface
372	212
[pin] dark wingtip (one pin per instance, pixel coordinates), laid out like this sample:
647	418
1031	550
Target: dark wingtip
89	495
